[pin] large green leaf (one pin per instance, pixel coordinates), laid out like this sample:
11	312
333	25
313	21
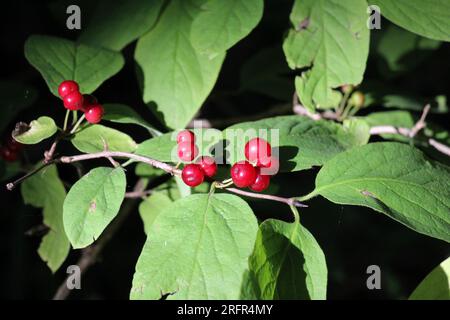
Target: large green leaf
221	24
397	118
303	142
36	131
430	18
152	206
122	113
14	97
196	249
164	148
403	50
436	285
287	263
331	38
267	73
176	76
92	138
92	203
59	59
114	24
392	178
45	190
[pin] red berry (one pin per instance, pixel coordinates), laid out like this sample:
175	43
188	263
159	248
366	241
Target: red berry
88	100
185	136
243	174
73	100
272	167
187	151
208	165
67	87
261	183
192	175
94	113
14	145
258	152
8	155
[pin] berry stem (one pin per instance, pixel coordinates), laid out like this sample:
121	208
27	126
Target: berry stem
66	120
75	116
75	127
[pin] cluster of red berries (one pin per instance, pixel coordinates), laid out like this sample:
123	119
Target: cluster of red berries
258	153
69	91
244	174
10	150
193	174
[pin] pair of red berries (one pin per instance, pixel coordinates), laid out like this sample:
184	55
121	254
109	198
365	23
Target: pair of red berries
193	174
258	152
10	150
69	91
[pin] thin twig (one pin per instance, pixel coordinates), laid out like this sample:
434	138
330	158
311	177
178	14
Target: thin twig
118	154
138	194
10	186
288	201
90	254
299	109
411	133
421	123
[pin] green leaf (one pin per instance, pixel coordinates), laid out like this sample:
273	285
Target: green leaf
221	24
59	59
121	113
176	76
92	138
14	97
287	263
267	73
359	129
147	171
197	248
430	19
392	178
403	50
151	207
114	24
36	131
331	38
164	147
436	285
92	203
398	119
303	142
45	190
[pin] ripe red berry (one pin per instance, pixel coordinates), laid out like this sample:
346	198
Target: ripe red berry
185	136
192	175
261	183
187	151
94	113
208	165
243	174
88	100
73	100
14	145
8	155
272	167
258	152
67	87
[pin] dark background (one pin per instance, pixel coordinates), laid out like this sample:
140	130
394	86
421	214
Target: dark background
351	237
